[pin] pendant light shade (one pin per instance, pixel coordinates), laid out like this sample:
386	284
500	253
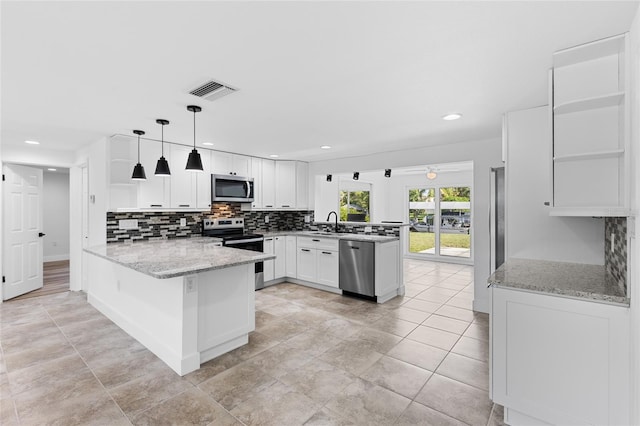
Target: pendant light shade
194	162
138	170
162	167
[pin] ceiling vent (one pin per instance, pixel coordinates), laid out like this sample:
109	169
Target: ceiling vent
212	90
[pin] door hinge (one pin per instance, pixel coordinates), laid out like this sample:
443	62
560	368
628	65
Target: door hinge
3	177
3	280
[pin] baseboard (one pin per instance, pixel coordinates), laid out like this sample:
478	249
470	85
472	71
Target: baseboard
55	258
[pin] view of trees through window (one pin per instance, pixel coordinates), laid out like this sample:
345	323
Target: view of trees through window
354	206
451	212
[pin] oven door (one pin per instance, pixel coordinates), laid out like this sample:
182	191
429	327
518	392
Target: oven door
253	244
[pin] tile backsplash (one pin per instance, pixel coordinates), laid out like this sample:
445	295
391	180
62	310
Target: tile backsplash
164	225
615	261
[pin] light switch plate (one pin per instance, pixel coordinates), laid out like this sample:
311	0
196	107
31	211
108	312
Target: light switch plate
183	221
266	219
307	218
368	229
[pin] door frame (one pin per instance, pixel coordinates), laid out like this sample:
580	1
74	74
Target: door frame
437	257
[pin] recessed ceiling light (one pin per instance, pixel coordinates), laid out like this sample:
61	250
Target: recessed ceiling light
52	170
325	147
274	156
207	143
32	142
452	116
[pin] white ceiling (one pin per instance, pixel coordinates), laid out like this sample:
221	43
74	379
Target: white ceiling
362	77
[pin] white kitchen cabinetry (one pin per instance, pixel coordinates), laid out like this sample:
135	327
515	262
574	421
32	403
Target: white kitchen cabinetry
256	174
558	360
268	184
280	250
318	260
122	158
285	184
153	192
291	184
269	265
291	264
591	126
226	163
327	272
183	182
203	181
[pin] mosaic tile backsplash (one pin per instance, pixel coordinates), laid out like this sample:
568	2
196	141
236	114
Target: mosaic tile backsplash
164	225
615	261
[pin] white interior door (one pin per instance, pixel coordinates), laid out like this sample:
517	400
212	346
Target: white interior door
22	225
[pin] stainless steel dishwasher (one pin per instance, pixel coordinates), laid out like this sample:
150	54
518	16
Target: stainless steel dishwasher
357	267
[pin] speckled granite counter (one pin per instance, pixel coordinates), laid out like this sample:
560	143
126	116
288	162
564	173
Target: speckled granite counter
339	235
559	278
176	257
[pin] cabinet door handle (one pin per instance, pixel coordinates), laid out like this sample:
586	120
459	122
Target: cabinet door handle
547	203
183	205
155	205
317	241
268	239
268	205
326	252
305	249
285	206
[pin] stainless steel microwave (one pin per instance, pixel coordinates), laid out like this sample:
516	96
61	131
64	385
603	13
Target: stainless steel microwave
231	188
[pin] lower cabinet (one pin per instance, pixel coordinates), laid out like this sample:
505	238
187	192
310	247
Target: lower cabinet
291	253
318	260
556	360
274	269
279	244
269	265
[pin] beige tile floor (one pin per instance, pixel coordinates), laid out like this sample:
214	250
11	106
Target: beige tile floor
316	358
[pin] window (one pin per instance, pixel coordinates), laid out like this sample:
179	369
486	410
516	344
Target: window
355	202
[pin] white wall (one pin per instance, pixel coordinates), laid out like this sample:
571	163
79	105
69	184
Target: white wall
634	247
484	154
55	218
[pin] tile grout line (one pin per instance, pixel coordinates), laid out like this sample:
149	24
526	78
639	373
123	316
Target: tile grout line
88	367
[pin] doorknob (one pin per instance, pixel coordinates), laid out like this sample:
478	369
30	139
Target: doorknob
41	234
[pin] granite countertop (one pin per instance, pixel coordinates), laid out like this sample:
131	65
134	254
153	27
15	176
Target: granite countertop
388	223
575	280
333	235
176	257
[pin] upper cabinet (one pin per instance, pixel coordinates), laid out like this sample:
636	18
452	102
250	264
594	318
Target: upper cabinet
226	163
277	184
292	189
590	97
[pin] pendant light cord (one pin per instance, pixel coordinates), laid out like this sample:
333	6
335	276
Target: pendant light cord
194	129
163	140
138	149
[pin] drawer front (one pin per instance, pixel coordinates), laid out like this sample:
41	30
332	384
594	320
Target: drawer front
318	243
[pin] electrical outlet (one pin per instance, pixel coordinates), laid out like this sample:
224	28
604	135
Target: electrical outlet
266	219
368	229
128	224
613	239
183	221
307	218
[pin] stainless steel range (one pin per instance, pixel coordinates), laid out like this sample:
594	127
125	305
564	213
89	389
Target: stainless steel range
231	232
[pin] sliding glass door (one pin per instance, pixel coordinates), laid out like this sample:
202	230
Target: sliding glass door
440	225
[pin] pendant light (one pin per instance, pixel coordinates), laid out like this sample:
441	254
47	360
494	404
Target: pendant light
162	167
138	170
194	162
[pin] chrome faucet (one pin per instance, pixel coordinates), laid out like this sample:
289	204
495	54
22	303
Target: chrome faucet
329	215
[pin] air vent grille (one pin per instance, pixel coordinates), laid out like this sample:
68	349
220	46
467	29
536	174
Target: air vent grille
212	90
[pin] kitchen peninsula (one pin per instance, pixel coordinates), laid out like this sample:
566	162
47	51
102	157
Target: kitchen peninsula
187	300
